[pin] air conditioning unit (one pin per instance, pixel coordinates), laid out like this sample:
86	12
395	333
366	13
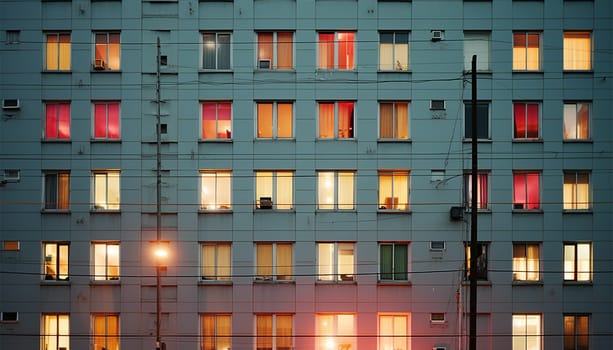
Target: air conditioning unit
99	64
456	213
437	35
265	203
437	105
9	316
10	175
439	348
264	64
437	246
10	103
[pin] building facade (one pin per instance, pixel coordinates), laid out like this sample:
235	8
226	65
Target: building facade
315	165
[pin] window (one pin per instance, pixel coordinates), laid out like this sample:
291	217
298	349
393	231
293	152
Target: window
336	50
525	120
335	190
527	332
578	262
216	332
335	331
56	332
526	51
393	262
57	120
576	121
526	191
394	120
394	51
216	262
55	261
275	50
482	191
216	51
526	262
106	51
576	332
106	332
577	51
106	120
106	261
335	262
57	52
215	190
483	127
274	189
336	120
275	120
57	190
393	190
477	43
274	332
216	122
393	332
106	190
481	261
577	190
274	261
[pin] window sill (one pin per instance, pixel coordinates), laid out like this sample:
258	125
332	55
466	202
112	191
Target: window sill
395	283
56	72
66	141
274	70
214	211
103	211
282	139
274	210
394	140
394	211
466	140
577	141
215	140
579	72
578	283
577	211
329	283
521	72
527	211
215	71
105	71
55	211
528	283
55	283
105	140
116	282
400	71
335	211
479	210
482	283
273	281
484	72
538	140
205	282
332	139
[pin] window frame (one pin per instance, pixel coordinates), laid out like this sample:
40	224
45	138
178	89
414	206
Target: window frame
396	128
60	108
322	190
394	203
271	341
218	204
394	341
56	262
56	199
108	335
397	66
482	205
574	273
336	132
108	205
60	338
524	337
576	122
404	277
110	135
275	120
274	276
218	136
217	44
524	67
107	276
107	47
572	337
476	37
219	276
482	270
568	51
526	106
336	42
274	59
218	338
468	127
574	202
58	67
529	275
325	336
525	206
335	275
276	187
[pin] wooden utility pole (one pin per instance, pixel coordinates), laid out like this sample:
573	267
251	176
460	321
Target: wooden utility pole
472	343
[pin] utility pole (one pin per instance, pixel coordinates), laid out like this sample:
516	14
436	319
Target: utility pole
472	342
158	207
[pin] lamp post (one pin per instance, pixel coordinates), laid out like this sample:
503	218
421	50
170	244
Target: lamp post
160	256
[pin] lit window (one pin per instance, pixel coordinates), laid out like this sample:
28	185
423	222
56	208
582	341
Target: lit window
393	332
57	52
335	262
57	190
55	261
106	55
336	120
216	121
216	262
275	120
526	191
106	120
577	50
274	261
394	190
482	191
576	332
215	190
527	332
216	332
275	50
106	261
481	261
57	120
335	190
577	190
216	51
525	120
477	43
483	120
578	262
394	120
106	332
336	50
526	51
274	189
393	262
274	332
526	262
106	190
576	121
56	332
393	51
335	331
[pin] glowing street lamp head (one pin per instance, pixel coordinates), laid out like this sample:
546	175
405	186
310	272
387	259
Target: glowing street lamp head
161	253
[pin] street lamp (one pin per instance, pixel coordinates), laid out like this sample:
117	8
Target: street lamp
160	253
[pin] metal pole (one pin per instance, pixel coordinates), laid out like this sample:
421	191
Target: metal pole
472	343
158	208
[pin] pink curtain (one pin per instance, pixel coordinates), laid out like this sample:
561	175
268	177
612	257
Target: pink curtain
326	120
51	121
345	120
326	51
114	126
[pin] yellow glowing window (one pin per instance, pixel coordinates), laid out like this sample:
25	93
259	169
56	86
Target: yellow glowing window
57	52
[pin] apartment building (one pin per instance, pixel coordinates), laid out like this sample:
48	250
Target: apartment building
314	166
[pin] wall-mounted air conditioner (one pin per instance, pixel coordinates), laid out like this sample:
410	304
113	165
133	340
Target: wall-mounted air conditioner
265	203
99	64
437	105
9	316
437	35
456	213
10	175
437	246
10	103
264	64
437	317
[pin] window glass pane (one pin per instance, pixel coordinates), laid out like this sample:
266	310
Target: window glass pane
224	120
224	190
263	185
583	121
223	262
113	190
401	120
577	51
264	332
208	261
326	120
284	261
326	51
265	120
386	257
326	190
385	191
477	44
284	332
265	47
51	120
345	50
533	55
209	51
345	262
285	120
264	261
224	51
345	190
209	123
569	262
584	262
345	120
386	122
401	190
285	50
400	262
325	261
113	51
386	51
64	121
113	125
52	49
285	190
100	120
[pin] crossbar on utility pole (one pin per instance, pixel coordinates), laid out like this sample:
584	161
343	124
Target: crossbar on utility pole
472	342
158	207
